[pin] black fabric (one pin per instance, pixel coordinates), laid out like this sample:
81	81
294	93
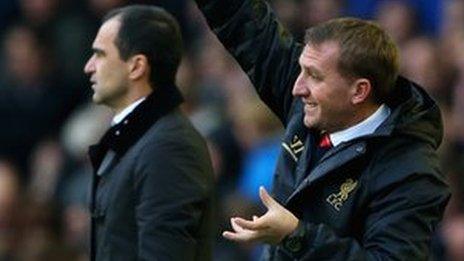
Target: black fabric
377	197
123	135
154	199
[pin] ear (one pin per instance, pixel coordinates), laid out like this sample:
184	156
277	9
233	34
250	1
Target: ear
138	67
361	90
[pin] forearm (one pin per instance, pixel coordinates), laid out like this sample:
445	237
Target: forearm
265	50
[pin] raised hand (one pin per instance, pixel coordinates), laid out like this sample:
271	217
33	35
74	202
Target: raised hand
270	228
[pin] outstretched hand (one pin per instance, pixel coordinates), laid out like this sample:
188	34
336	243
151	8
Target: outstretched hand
270	228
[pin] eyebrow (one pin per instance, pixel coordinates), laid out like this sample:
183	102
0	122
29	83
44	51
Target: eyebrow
309	68
97	50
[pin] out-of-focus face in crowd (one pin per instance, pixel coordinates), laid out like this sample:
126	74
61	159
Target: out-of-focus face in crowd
23	56
9	191
38	11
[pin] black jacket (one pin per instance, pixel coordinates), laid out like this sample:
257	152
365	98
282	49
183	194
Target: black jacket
375	197
152	195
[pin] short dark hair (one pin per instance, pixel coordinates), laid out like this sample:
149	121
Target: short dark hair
153	32
366	51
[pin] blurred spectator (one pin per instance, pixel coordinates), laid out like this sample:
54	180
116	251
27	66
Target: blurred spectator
46	163
38	12
429	13
67	38
84	128
9	202
262	130
312	12
453	15
421	62
399	20
453	236
30	102
41	233
288	12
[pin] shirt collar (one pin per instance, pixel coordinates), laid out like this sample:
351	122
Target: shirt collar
366	127
120	116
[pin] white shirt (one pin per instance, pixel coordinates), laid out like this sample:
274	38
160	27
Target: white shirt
118	118
366	127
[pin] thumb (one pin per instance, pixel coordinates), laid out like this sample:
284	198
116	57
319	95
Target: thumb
267	200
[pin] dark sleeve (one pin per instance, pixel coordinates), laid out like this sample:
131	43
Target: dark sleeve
399	226
173	188
264	49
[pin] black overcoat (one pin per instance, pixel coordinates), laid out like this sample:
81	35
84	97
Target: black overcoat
152	186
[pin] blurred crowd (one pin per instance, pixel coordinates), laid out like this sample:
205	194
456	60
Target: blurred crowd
48	120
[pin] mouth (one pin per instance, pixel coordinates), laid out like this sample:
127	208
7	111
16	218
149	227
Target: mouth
93	83
310	107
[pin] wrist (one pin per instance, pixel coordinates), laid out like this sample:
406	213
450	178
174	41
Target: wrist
293	242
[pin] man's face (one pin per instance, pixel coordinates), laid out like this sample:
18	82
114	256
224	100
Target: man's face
108	73
325	93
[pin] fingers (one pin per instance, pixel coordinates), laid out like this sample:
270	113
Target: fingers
240	234
230	235
267	200
238	237
256	224
235	226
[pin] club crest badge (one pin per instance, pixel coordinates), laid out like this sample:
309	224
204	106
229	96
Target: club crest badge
337	199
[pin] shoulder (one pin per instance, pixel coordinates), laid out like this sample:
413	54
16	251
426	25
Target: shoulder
172	140
174	129
172	151
400	160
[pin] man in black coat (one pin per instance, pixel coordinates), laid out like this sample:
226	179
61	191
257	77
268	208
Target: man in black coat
358	176
153	184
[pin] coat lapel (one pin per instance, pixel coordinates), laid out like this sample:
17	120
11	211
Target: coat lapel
107	163
120	137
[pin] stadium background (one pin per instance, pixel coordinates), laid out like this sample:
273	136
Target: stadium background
47	120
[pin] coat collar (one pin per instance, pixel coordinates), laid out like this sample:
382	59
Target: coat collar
120	137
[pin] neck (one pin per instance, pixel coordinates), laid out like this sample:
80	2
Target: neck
362	113
132	96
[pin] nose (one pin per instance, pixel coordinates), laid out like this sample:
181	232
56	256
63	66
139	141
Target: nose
300	87
90	66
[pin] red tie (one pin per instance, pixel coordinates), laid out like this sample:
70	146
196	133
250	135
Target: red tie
324	142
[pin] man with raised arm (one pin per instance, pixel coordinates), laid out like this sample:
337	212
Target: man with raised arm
358	176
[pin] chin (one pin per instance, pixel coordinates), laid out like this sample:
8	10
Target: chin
307	122
96	99
312	123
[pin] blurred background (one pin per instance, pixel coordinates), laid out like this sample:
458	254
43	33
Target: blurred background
48	121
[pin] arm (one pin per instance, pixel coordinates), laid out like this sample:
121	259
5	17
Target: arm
399	226
264	49
173	190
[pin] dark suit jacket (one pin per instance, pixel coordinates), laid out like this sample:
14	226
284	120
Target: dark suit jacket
152	187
